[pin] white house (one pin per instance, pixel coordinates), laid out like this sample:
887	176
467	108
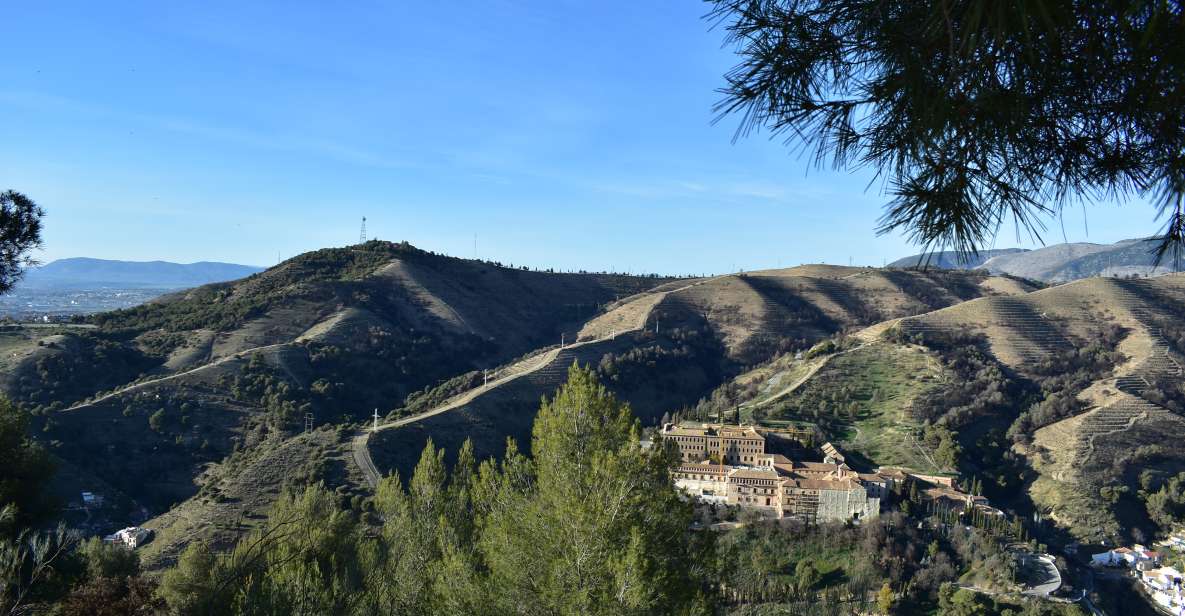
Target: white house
1164	578
1125	557
131	537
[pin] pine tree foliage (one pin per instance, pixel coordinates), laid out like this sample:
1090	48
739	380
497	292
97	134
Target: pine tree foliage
20	232
974	112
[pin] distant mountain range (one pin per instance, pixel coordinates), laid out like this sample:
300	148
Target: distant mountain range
950	259
82	272
78	286
1056	263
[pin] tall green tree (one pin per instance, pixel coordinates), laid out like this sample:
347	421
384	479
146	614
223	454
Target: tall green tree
26	469
601	531
974	112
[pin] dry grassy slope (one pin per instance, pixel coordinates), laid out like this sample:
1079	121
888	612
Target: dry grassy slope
811	302
234	496
517	309
20	350
488	420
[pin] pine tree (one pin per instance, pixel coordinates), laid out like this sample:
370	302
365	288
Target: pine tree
974	112
603	531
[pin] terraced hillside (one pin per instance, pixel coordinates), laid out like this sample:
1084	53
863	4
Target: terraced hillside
1118	432
705	332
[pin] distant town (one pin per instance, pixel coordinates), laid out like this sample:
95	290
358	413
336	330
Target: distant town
60	305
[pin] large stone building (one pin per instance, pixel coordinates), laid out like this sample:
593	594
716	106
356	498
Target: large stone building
748	477
701	441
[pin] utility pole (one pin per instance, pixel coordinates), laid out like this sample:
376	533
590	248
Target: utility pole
376	421
485	378
362	233
561	341
308	422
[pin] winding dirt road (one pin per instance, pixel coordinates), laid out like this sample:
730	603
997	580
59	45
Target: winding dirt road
360	443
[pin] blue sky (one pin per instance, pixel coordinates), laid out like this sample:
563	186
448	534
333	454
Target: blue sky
563	134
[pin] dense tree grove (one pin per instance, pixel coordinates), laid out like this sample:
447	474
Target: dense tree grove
589	524
25	466
980	387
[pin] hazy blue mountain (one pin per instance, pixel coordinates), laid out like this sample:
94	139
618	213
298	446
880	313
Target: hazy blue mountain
1057	262
949	259
82	272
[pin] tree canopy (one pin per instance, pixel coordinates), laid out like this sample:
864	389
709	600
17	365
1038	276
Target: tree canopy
974	112
20	232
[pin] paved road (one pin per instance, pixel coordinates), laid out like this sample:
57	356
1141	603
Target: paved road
1047	580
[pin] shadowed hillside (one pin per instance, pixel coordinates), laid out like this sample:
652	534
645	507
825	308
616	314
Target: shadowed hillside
684	339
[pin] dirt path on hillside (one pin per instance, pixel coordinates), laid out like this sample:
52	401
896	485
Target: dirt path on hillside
137	386
361	441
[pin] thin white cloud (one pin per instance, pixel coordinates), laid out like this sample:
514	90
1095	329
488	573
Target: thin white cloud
235	136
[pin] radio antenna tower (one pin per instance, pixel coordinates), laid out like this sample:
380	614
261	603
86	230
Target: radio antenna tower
362	234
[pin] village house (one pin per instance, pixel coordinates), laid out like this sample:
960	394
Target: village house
131	537
1165	586
1175	541
1126	557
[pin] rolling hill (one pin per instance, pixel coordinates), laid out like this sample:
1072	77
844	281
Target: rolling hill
1073	388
